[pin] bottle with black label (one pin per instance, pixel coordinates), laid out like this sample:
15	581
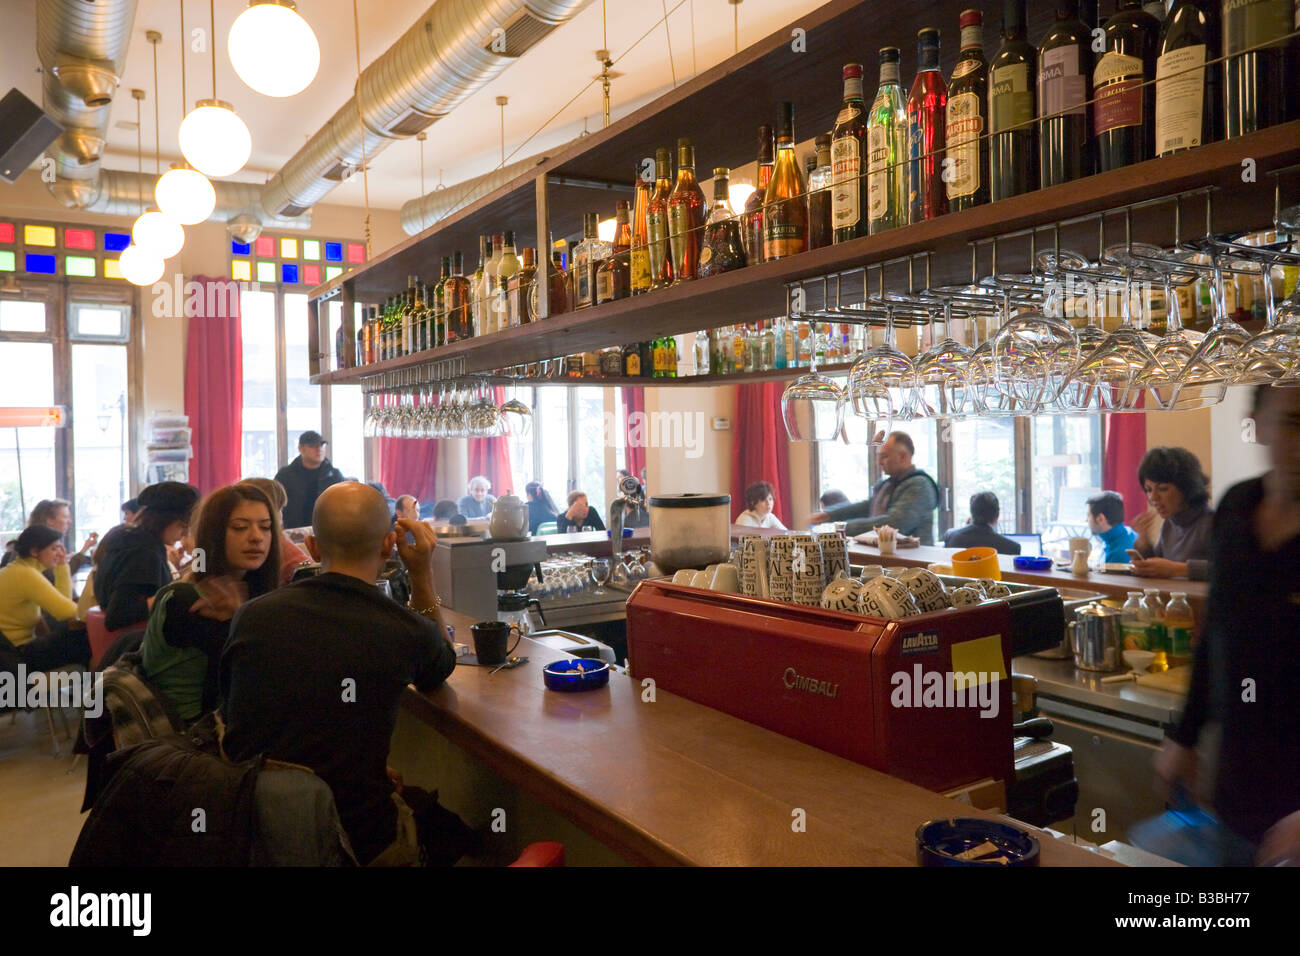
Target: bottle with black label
966	160
1064	88
1189	95
1123	98
1260	87
1013	150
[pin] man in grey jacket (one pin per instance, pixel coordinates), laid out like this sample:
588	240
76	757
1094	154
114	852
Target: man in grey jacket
905	498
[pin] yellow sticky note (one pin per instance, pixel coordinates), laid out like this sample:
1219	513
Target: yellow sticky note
983	656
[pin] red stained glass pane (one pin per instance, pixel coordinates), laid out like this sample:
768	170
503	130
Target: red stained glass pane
311	275
356	252
265	246
79	239
6	232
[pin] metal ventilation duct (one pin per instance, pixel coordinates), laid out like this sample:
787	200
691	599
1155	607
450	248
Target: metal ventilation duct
122	193
449	53
419	214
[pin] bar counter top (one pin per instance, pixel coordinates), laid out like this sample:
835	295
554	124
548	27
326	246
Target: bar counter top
675	782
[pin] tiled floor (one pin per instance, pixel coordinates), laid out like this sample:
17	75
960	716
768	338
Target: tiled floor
40	800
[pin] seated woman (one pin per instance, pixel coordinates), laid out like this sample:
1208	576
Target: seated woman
759	499
131	563
239	533
580	515
1179	495
291	556
25	593
478	503
541	507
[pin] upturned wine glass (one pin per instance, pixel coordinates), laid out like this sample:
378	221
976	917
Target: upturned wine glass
812	406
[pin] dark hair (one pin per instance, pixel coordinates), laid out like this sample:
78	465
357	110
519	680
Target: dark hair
213	516
45	510
757	491
832	498
984	508
1177	467
155	522
131	504
904	439
1108	504
38	537
273	490
535	491
445	508
575	494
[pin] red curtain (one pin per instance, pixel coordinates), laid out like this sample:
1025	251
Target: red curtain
1126	443
760	450
407	467
634	454
214	383
491	457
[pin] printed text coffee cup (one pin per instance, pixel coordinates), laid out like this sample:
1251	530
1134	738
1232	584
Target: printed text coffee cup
490	640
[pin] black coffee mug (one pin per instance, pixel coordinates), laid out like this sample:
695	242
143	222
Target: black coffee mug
490	639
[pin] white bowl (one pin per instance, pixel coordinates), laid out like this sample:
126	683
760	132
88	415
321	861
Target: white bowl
1139	660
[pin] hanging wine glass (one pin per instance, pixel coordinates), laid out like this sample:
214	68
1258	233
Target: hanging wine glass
517	417
812	406
1213	365
1269	356
1030	348
943	371
882	382
1113	368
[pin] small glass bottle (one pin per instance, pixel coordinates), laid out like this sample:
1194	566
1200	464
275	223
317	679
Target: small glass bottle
779	360
767	347
723	250
702	352
821	231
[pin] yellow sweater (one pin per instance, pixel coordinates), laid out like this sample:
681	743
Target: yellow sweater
24	593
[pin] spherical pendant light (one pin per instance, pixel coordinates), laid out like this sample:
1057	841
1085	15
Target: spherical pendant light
159	233
273	49
214	140
140	266
186	195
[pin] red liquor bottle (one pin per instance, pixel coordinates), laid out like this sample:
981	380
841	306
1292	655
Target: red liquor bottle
927	119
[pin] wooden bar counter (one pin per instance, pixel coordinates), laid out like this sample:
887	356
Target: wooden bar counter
619	780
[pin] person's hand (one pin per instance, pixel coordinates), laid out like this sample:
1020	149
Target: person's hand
415	544
62	556
818	517
220	599
396	779
1145	524
1159	568
1176	766
1281	844
90	542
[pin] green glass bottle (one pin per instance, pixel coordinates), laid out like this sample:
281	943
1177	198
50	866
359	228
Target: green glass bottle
887	149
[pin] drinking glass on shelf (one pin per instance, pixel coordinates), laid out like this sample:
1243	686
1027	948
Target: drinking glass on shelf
1213	366
600	571
812	405
517	418
1032	351
942	371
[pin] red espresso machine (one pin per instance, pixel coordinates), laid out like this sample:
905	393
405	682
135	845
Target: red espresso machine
878	692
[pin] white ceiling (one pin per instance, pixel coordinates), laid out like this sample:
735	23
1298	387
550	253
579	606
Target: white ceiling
464	144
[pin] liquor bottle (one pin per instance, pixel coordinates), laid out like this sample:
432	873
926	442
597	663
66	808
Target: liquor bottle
722	250
359	348
647	351
476	286
657	229
410	333
632	360
1189	97
519	288
660	357
611	359
506	268
767	346
1013	148
586	257
614	274
573	365
1123	109
848	144
1259	87
341	345
456	301
821	231
639	279
1064	88
751	222
557	300
967	146
437	320
491	318
887	149
927	108
785	214
686	210
671	358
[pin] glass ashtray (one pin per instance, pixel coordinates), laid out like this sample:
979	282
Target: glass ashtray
575	674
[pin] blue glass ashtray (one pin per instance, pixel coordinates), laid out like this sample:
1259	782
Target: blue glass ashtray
576	674
974	841
1029	562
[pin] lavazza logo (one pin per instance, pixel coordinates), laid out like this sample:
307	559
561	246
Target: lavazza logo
95	910
40	689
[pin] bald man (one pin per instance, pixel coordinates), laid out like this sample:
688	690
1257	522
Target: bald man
313	672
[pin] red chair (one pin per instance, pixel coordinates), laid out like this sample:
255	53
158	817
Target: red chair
541	854
100	637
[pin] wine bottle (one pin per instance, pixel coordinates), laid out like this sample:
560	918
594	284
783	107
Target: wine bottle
476	287
686	209
640	260
1189	97
1123	120
661	254
848	144
927	108
1064	89
456	300
966	158
820	231
1013	148
785	213
722	250
887	149
751	221
1260	87
613	276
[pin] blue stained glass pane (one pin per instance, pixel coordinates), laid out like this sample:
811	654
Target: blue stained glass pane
288	273
41	263
238	248
334	251
116	241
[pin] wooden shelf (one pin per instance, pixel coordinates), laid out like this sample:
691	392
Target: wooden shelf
682	381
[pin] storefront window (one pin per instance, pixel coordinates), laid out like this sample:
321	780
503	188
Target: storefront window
1066	460
257	327
984	459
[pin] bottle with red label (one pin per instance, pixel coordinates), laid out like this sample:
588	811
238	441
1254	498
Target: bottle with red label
848	171
1064	86
966	163
1123	88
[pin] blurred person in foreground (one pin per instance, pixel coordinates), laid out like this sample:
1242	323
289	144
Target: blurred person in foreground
1246	673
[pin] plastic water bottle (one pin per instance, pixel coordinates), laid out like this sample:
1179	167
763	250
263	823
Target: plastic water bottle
1179	625
1133	621
1157	639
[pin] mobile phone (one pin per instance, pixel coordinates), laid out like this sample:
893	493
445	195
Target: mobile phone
1134	555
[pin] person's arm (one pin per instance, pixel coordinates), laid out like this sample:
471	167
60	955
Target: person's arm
848	511
593	519
63	579
777	523
35	588
183	627
911	507
416	552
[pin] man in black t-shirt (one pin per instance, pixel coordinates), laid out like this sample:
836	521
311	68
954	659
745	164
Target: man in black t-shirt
314	672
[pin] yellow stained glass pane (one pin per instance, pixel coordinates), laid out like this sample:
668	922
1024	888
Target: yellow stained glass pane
241	271
288	248
38	235
310	249
112	269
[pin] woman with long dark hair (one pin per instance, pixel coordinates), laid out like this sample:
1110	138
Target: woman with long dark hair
541	507
237	557
25	594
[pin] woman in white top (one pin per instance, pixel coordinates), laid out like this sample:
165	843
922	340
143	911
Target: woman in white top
758	501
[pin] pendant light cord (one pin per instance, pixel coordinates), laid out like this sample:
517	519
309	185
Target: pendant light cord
365	179
139	155
157	125
212	42
184	100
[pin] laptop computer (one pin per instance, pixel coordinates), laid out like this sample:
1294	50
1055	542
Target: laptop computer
1031	545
